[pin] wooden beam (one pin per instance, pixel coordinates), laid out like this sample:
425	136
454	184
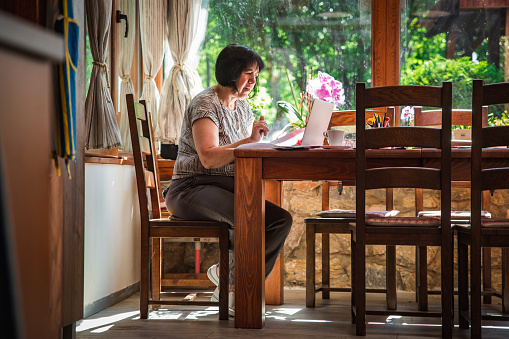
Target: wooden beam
385	42
385	45
506	49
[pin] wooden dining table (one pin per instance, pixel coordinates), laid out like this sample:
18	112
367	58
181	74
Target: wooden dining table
255	165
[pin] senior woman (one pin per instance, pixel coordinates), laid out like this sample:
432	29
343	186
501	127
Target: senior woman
216	121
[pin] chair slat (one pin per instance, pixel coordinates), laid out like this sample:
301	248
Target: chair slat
495	178
407	96
140	111
495	136
494	94
403	177
433	117
149	179
412	136
145	145
347	118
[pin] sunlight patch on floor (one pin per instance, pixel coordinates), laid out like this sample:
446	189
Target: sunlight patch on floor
311	321
88	324
287	311
102	329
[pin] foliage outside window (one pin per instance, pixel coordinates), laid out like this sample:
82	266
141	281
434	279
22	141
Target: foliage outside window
303	37
441	41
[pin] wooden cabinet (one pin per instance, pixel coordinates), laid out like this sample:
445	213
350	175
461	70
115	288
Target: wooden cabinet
27	55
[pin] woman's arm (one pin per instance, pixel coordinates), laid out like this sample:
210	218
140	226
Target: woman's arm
206	140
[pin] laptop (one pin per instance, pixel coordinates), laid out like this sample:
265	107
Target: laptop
320	113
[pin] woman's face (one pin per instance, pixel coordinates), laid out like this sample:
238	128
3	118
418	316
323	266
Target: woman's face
247	81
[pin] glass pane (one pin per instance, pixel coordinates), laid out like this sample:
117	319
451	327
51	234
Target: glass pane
455	40
296	39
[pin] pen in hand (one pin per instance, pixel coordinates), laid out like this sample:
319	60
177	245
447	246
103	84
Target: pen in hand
264	130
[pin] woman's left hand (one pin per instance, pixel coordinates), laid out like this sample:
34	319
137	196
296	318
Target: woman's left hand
260	129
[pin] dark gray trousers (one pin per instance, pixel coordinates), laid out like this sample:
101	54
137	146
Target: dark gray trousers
210	197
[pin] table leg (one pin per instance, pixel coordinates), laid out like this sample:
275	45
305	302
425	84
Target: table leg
274	285
249	244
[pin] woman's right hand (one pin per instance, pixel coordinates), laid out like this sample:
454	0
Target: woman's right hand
260	129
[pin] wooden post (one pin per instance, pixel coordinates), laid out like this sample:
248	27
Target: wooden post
274	292
385	42
385	45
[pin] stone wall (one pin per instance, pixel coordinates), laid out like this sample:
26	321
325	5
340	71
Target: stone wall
303	199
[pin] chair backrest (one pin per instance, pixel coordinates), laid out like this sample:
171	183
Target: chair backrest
347	118
140	126
425	137
433	117
459	117
482	137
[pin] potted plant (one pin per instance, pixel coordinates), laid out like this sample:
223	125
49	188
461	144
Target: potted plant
323	87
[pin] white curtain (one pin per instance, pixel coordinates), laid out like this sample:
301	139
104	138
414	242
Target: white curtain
125	60
100	121
153	31
186	30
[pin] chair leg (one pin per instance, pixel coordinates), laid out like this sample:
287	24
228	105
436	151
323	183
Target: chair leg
421	260
360	289
486	273
310	265
447	277
462	284
475	292
144	277
223	273
352	280
391	297
486	253
505	280
325	265
157	264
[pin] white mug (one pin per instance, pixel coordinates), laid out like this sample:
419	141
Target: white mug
334	137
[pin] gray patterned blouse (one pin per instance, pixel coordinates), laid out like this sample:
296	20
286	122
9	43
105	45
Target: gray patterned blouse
233	126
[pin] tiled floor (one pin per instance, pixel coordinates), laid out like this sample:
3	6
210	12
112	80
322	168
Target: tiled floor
330	318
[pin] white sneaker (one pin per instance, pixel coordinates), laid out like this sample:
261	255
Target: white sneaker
215	295
231	304
212	274
231	301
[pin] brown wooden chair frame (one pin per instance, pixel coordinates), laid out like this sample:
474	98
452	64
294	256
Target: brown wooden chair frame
154	228
327	226
475	236
433	117
423	177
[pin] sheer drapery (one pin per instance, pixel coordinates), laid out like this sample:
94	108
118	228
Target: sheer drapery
100	121
153	31
125	60
186	30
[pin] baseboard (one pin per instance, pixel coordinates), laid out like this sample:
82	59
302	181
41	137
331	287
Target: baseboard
110	300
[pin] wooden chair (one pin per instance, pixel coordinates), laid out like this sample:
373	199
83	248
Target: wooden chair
488	232
434	118
327	226
410	231
154	228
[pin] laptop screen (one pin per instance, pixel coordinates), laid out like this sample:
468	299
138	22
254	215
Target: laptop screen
318	121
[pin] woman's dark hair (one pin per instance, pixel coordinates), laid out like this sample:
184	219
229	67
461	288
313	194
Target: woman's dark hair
232	61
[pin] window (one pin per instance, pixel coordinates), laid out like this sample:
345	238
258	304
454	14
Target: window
458	41
299	36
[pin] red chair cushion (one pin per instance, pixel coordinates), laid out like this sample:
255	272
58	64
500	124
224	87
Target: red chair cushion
338	213
454	214
403	221
495	223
